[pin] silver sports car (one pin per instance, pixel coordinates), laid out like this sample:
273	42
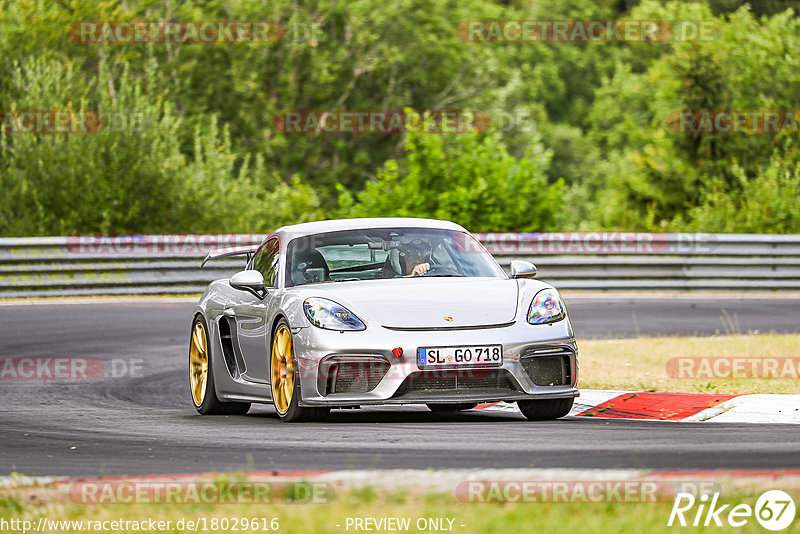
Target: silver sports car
346	313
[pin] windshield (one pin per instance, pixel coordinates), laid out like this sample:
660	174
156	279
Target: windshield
369	254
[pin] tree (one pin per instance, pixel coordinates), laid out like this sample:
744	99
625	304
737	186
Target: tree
468	178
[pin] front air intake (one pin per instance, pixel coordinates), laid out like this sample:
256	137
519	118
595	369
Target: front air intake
492	382
354	376
548	367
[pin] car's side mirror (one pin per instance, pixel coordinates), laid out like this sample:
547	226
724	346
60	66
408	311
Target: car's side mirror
249	280
522	269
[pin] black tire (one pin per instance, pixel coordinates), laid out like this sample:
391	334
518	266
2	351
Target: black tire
545	410
444	408
211	405
295	413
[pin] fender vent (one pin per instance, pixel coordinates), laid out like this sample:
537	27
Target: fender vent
227	347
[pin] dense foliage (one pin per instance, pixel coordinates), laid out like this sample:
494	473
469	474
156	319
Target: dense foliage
580	135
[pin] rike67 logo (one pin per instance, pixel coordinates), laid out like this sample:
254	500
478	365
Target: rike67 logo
774	510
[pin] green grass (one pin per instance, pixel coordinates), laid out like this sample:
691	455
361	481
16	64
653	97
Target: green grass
641	364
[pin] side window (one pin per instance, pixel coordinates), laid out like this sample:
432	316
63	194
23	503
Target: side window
266	261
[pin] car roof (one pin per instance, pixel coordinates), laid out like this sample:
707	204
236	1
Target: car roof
318	227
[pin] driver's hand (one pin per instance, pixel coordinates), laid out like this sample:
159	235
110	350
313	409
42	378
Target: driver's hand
420	269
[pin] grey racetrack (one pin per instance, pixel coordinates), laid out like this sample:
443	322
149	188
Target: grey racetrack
144	422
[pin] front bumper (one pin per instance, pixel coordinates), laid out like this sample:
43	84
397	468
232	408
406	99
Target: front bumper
358	368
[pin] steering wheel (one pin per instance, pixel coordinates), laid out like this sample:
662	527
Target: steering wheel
436	270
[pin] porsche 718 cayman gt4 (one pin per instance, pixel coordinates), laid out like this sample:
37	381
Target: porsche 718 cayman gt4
379	311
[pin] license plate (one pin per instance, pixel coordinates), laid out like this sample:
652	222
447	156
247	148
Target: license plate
460	356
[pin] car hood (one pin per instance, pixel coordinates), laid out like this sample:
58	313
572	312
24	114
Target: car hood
426	302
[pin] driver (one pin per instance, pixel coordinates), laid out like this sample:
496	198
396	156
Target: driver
414	258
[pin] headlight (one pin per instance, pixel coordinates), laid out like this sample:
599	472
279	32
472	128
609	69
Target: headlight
327	314
547	307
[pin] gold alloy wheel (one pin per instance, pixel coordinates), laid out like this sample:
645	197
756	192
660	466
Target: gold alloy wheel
282	369
198	364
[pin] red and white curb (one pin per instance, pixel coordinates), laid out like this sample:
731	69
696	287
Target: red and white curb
692	407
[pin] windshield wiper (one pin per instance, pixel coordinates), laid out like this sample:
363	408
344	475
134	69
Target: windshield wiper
345	279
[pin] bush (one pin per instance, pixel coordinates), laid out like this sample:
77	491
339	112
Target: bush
468	178
135	179
764	204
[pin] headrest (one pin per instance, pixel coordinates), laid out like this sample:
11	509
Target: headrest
308	259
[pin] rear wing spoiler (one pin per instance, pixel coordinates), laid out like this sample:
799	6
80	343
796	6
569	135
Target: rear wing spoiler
228	252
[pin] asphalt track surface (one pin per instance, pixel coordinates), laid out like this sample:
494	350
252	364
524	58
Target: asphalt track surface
144	423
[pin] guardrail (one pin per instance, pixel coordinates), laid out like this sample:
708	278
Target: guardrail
66	266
